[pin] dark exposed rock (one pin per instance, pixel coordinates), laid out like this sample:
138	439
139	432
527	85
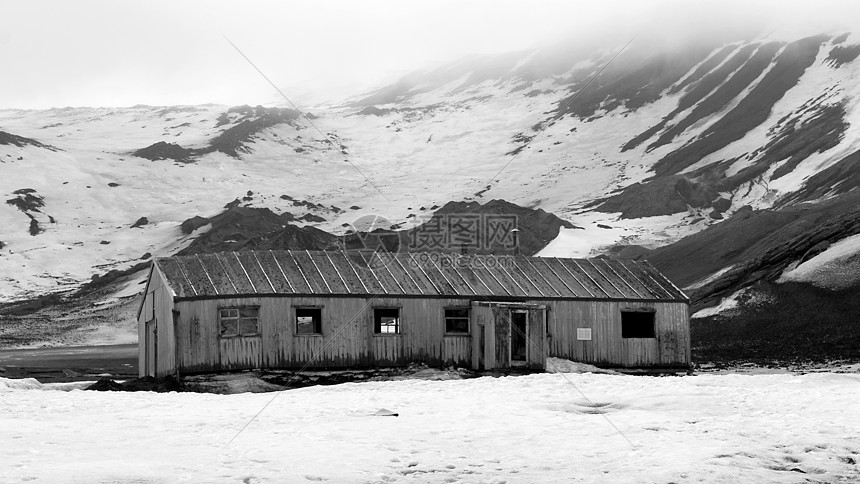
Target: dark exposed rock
817	134
373	111
27	200
659	196
244	228
146	256
840	55
841	177
145	384
477	228
722	204
34	226
756	244
140	222
786	322
703	69
166	151
20	141
638	77
738	72
309	217
703	88
193	223
752	110
234	140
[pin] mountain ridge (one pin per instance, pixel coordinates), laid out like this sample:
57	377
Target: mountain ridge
644	155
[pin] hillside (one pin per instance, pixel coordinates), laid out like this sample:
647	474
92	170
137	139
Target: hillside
725	161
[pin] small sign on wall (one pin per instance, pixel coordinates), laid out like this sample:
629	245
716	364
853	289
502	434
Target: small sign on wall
583	334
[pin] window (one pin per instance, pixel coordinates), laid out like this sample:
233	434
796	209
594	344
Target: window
457	321
239	321
386	320
637	324
308	320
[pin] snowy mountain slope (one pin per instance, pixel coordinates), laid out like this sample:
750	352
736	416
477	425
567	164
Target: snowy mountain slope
659	144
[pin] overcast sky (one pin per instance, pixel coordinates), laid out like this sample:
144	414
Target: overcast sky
120	53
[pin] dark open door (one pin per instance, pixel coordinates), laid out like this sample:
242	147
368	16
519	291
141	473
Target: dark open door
519	337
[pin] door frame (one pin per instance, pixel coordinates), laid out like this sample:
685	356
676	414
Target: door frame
511	360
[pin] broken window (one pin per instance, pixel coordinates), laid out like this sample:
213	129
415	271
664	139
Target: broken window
308	320
637	324
457	321
239	321
386	320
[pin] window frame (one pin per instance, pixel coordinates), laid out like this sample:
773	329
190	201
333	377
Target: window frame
467	317
317	323
636	332
377	326
238	321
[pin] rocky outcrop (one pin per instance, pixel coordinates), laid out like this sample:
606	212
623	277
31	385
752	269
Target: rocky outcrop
474	228
249	121
245	228
140	222
166	151
756	245
660	196
20	141
193	223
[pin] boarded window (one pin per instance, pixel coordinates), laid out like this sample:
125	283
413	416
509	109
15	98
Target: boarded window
308	320
637	324
457	321
240	321
386	320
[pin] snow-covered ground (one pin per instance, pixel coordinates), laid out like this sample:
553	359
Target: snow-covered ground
537	428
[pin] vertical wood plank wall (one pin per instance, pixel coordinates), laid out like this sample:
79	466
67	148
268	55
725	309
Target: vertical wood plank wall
160	294
671	347
537	339
347	335
482	317
502	335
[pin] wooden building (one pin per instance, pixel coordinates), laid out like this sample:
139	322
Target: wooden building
306	309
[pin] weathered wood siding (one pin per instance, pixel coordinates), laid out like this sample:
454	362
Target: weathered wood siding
347	337
670	347
482	318
157	308
240	352
537	351
502	333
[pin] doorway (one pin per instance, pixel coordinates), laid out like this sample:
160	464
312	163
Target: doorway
519	338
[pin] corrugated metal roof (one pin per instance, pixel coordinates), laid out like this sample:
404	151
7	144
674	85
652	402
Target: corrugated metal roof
412	274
